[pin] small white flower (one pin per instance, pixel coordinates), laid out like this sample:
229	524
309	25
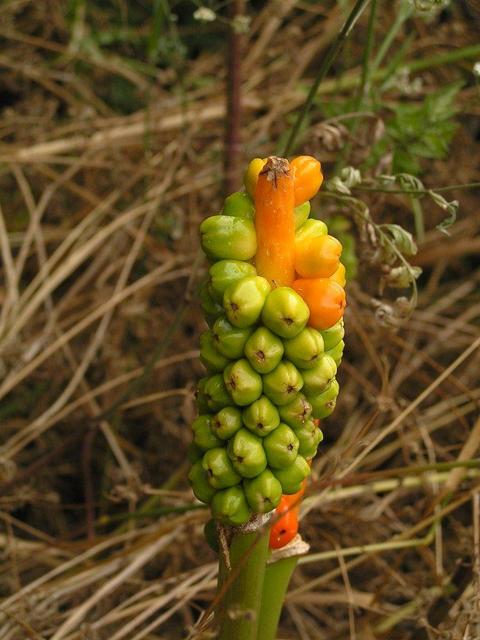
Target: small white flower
204	14
476	69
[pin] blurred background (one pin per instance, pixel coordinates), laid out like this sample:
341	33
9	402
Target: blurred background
114	145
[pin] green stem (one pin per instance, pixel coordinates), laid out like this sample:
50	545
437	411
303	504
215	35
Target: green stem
418	219
403	14
364	87
332	53
241	588
275	585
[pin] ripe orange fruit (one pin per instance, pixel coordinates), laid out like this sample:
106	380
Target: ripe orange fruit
317	257
325	299
308	177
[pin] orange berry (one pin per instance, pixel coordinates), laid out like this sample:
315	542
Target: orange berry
317	257
339	275
325	299
308	177
286	527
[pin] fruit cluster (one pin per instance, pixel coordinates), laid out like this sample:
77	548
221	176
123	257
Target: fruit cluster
272	350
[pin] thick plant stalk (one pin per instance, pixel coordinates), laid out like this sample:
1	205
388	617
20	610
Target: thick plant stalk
275	585
240	609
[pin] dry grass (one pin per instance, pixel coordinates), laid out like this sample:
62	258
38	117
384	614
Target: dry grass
99	330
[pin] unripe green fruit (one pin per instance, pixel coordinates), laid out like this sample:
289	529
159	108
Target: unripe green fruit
285	312
247	454
211	359
282	384
264	350
203	435
244	300
263	493
243	382
199	483
226	272
281	447
211	535
228	237
333	335
337	352
219	470
239	205
309	437
229	340
292	477
194	453
216	393
297	412
311	229
230	506
226	422
201	397
306	349
210	307
301	213
324	403
261	417
318	379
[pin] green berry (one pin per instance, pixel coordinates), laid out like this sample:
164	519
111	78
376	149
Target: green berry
244	300
230	506
243	382
324	403
219	470
226	272
301	213
210	307
203	435
211	535
239	205
291	477
247	454
281	447
285	312
229	340
306	349
226	422
264	350
311	229
337	352
263	493
333	335
309	437
216	393
282	384
199	483
228	237
194	453
211	359
201	397
261	417
297	412
319	378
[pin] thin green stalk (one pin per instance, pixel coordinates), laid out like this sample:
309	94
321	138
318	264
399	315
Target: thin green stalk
332	53
403	14
419	192
364	87
239	605
275	585
418	219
